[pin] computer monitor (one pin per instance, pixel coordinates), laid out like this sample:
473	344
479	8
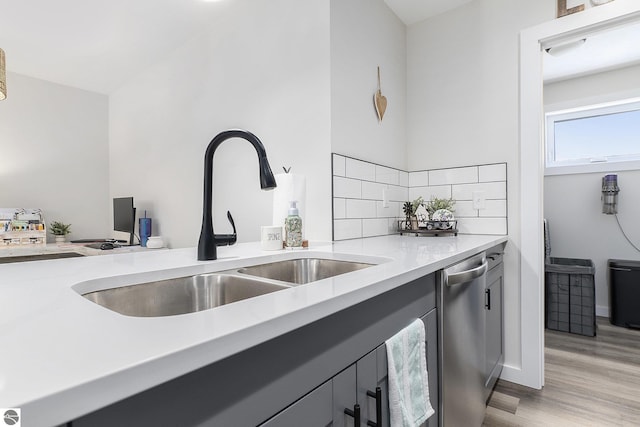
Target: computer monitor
124	216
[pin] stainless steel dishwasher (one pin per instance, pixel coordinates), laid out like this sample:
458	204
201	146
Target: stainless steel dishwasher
462	343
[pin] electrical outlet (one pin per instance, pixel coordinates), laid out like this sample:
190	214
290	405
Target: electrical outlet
479	200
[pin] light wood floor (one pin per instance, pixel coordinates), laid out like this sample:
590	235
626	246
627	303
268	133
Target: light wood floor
589	381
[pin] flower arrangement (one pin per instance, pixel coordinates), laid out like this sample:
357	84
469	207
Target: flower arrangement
436	204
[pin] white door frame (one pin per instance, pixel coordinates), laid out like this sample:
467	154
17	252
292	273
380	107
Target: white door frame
532	41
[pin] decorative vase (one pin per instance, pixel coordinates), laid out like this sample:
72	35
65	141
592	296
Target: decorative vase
445	218
61	240
414	222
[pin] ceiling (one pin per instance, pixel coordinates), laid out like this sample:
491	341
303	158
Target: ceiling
607	50
98	46
412	11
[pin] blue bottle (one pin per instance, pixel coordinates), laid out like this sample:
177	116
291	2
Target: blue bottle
145	229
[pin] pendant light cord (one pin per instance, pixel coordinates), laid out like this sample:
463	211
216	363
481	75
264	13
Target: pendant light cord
625	234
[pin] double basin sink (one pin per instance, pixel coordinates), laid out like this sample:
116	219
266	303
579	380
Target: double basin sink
206	291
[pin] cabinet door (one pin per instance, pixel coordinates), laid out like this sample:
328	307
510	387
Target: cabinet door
494	349
344	397
313	410
372	374
324	406
431	334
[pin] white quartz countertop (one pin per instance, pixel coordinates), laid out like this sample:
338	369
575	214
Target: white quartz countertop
48	249
64	356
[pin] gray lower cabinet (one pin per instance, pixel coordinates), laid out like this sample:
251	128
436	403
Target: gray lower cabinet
371	374
357	385
324	406
431	325
494	322
307	377
313	410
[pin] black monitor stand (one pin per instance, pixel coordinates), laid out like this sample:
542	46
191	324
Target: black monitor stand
133	227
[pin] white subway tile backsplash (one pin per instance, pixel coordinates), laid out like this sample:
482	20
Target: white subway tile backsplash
494	226
338	165
439	191
492	190
387	175
339	208
375	227
415	192
397	194
361	208
453	176
465	209
419	179
372	190
393	210
360	170
359	188
490	173
403	178
494	208
347	188
347	229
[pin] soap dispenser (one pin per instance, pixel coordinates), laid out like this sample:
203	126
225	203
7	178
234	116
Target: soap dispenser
293	227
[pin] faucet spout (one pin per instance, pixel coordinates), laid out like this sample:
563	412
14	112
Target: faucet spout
209	241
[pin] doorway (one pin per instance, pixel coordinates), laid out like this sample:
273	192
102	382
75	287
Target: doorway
532	44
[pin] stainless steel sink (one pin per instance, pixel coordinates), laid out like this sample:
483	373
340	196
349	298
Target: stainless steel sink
38	257
181	295
303	270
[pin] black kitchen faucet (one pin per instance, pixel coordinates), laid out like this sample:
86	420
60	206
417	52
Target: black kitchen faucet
208	240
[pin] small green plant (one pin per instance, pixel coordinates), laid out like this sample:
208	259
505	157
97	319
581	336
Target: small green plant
436	204
58	228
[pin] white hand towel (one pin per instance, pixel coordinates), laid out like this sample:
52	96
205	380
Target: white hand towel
409	404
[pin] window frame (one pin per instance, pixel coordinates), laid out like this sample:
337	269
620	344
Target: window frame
606	164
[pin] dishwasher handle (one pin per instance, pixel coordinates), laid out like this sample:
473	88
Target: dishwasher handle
451	279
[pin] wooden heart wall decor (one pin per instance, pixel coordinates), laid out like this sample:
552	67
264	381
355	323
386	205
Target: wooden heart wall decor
379	101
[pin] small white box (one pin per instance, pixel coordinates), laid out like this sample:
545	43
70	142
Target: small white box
271	237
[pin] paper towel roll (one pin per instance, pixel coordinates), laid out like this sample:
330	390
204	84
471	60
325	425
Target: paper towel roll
290	187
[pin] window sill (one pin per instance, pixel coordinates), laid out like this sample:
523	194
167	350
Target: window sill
593	168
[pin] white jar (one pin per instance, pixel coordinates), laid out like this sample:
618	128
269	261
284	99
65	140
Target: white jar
155	242
271	237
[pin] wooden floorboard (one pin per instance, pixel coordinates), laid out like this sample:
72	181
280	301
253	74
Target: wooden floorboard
589	381
504	402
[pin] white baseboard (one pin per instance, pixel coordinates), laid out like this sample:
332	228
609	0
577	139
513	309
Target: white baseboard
602	310
515	375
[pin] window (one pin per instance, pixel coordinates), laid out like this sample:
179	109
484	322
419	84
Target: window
593	139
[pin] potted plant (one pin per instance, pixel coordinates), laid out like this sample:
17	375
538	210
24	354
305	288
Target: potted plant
409	209
59	230
436	204
441	210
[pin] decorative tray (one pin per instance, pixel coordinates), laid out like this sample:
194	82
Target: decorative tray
428	228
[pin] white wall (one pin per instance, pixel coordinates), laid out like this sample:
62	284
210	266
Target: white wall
463	83
54	145
592	89
572	202
366	34
463	105
263	67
